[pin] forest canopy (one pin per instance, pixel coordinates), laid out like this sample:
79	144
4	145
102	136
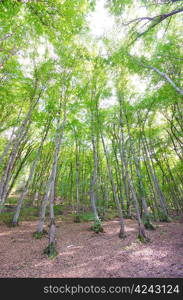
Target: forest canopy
91	124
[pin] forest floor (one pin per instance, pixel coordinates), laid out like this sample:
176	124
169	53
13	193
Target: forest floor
83	253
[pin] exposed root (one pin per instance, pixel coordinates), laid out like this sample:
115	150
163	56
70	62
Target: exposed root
142	236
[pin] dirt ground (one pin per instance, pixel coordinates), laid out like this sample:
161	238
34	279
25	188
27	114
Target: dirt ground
84	254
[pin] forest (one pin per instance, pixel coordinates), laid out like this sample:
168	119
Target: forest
91	138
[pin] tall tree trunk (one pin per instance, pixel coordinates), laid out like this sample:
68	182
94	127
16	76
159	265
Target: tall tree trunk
93	181
146	218
118	205
52	177
142	235
164	216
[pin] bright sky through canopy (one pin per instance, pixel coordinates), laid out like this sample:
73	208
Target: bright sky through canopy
100	20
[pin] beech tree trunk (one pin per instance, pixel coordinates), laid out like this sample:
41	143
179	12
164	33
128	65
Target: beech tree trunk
120	212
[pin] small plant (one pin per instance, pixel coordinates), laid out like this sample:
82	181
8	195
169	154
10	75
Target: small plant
111	214
6	218
143	239
163	217
58	210
147	223
85	217
97	227
38	235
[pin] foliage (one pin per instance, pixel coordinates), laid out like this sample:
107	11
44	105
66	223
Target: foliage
97	227
85	125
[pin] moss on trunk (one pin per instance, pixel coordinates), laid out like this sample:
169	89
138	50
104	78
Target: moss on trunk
51	250
142	236
122	235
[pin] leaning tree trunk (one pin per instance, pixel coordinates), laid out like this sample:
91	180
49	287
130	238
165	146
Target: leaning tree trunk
6	179
142	235
26	189
146	217
51	249
11	140
52	177
20	135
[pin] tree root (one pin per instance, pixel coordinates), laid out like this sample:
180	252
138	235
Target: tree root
142	236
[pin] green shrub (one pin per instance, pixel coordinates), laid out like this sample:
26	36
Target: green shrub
29	213
58	210
38	235
163	217
147	223
97	227
84	217
77	219
6	218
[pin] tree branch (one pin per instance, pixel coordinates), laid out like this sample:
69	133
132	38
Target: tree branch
154	21
165	76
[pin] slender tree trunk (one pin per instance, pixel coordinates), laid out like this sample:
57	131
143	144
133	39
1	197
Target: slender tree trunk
155	182
120	212
51	180
93	181
77	218
142	235
146	218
